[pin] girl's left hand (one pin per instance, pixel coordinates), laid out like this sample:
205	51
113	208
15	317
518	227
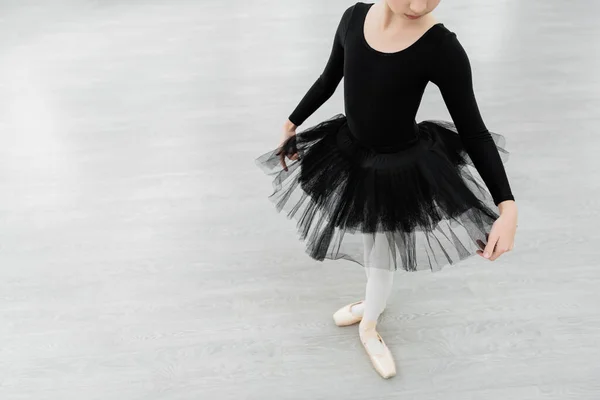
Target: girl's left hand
502	236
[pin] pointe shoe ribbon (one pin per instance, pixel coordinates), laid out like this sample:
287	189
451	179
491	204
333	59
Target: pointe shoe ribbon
378	352
345	317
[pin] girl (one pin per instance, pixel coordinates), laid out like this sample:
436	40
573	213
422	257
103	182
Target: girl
375	187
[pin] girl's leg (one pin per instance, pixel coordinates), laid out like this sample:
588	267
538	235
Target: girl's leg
377	259
380	278
368	241
379	287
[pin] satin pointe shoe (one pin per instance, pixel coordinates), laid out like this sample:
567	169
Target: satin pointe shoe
345	317
378	352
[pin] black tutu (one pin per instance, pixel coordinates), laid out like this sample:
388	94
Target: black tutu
427	199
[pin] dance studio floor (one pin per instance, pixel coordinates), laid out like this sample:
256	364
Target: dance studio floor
141	259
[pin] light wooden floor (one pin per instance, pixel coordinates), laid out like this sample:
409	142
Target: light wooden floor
140	258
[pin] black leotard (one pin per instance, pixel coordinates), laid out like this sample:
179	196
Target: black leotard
383	91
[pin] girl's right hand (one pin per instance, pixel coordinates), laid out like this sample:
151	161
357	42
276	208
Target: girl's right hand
289	131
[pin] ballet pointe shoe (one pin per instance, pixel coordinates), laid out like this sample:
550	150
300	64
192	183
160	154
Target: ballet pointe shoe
378	352
345	317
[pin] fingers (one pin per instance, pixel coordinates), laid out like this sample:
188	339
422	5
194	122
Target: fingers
287	148
282	156
497	253
489	248
499	249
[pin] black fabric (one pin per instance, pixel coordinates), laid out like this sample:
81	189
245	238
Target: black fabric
383	91
424	198
376	171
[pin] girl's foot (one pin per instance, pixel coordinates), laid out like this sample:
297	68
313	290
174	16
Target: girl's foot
378	352
349	314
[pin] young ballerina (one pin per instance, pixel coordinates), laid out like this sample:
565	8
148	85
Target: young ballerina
374	186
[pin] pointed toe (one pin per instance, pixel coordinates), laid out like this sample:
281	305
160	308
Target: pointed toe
380	355
345	317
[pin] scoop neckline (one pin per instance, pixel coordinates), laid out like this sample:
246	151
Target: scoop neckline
371	48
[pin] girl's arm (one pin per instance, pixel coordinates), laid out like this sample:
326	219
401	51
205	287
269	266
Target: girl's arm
329	80
451	72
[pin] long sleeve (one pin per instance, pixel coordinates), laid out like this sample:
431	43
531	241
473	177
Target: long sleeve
451	72
328	81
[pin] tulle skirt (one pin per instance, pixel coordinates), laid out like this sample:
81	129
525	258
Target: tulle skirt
427	199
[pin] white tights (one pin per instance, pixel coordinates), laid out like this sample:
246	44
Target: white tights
379	277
